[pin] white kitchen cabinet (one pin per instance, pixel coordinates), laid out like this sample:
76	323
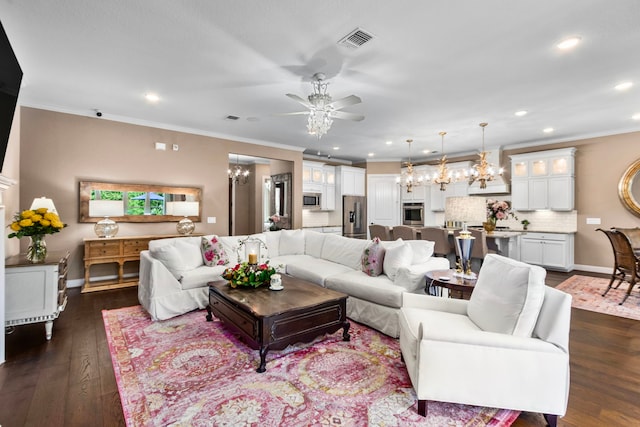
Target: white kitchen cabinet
328	198
550	250
312	177
350	180
543	180
36	292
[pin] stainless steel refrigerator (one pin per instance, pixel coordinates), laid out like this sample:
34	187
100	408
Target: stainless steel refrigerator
354	216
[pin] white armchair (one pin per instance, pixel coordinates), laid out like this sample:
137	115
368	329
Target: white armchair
507	347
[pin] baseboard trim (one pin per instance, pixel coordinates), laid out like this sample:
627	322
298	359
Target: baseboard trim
594	268
77	283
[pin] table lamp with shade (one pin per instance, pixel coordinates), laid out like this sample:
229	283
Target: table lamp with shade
186	209
43	202
106	227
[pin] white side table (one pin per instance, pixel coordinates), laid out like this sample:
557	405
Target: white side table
36	292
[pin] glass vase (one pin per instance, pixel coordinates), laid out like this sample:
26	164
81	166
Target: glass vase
37	250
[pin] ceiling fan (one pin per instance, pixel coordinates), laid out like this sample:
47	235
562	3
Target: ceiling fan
323	109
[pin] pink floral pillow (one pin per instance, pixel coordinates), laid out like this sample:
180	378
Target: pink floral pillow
373	258
212	252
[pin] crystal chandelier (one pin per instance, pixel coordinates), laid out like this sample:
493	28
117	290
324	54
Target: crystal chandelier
409	179
237	174
483	171
319	121
443	176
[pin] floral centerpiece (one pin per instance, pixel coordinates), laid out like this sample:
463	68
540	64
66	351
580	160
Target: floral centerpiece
274	220
497	210
35	224
245	274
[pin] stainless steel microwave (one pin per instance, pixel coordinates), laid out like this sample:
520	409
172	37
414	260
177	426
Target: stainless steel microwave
311	201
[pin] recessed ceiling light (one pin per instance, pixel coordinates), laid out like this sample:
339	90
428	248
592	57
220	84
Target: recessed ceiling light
426	151
389	142
152	97
624	86
568	43
521	113
636	116
336	148
547	130
371	154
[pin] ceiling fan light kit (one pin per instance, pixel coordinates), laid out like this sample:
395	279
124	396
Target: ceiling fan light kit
322	108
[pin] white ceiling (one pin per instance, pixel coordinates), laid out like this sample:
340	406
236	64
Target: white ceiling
433	66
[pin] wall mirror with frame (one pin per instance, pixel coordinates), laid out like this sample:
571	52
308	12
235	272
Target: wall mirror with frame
138	202
629	188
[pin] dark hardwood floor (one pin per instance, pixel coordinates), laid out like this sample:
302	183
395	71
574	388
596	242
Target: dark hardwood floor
69	381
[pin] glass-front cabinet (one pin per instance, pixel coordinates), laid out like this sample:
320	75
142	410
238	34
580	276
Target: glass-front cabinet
543	180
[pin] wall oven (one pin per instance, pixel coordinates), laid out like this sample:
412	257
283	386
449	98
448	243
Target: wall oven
413	213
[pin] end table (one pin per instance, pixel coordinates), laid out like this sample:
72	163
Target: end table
458	287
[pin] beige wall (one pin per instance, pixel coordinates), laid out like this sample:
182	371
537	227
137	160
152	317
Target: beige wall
57	150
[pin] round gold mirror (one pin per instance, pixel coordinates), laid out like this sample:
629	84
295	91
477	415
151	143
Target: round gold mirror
629	188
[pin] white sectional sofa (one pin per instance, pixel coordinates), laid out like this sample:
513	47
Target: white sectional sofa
173	277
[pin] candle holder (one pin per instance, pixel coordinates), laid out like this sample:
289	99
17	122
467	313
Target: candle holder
252	248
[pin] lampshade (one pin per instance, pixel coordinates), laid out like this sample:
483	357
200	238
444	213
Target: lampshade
43	202
183	208
106	208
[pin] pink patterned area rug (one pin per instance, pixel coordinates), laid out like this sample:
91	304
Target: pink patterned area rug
189	372
587	295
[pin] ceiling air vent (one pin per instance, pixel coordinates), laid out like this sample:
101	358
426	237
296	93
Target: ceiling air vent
232	117
355	38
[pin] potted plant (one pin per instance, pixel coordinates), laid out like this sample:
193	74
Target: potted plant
525	224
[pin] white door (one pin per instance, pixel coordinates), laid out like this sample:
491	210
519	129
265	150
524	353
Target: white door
383	200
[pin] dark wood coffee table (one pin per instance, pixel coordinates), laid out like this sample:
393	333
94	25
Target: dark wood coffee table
272	320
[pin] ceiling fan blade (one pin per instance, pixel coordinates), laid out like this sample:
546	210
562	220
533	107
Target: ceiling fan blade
297	113
300	100
346	116
345	102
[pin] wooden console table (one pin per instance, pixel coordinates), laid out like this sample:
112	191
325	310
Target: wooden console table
118	250
36	292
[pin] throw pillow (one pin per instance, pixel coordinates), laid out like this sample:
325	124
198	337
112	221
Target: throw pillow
373	258
507	297
168	255
422	250
212	252
396	257
189	251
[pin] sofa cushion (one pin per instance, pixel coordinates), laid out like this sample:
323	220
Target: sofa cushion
273	243
313	242
400	255
344	250
177	254
212	251
314	270
378	290
199	277
372	258
231	245
507	296
291	242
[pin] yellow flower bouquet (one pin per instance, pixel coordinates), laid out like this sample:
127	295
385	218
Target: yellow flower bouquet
35	222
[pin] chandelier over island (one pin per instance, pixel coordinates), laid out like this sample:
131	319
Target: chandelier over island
409	178
483	171
443	177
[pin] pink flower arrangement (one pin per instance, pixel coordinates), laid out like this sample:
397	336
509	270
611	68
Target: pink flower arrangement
497	209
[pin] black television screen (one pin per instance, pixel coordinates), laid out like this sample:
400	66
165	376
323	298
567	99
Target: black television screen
10	78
